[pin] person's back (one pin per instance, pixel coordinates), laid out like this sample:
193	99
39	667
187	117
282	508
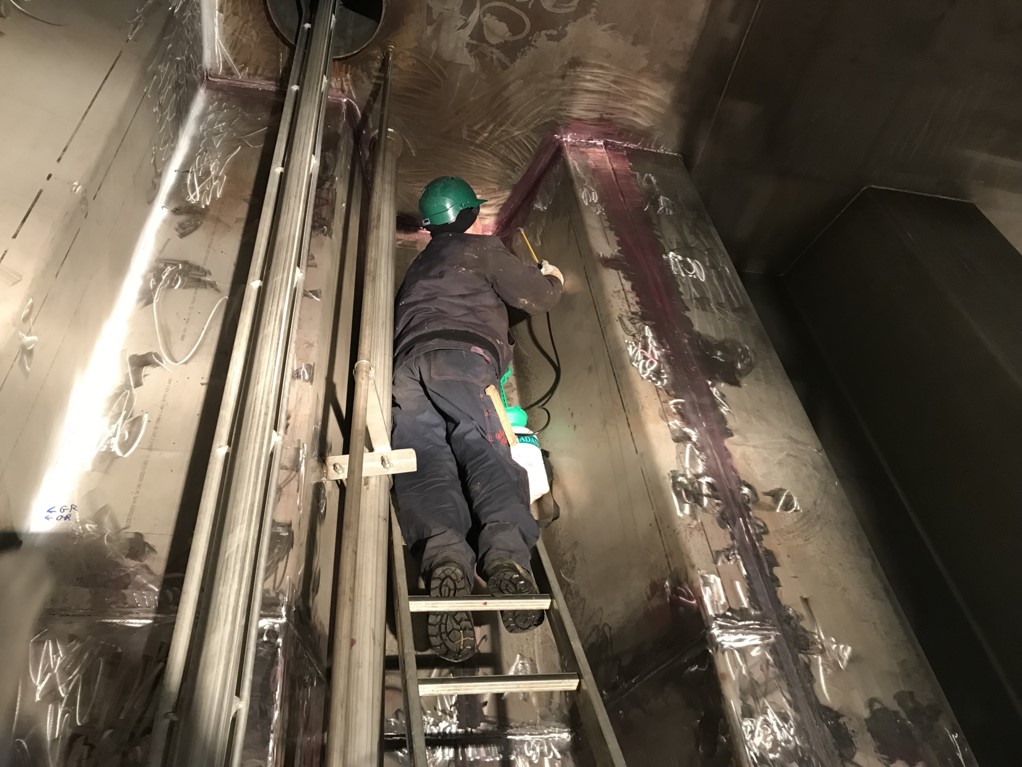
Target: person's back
451	343
459	288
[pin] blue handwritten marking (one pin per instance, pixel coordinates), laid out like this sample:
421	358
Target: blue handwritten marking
61	513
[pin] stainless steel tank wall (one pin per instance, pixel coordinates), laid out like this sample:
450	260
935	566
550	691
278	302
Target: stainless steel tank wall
92	162
80	186
782	112
823	100
127	212
623	568
130	199
479	85
936	310
692	484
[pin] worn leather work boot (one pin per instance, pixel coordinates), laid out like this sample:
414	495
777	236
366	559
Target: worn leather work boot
452	636
511	579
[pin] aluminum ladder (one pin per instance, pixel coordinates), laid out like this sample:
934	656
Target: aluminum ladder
596	727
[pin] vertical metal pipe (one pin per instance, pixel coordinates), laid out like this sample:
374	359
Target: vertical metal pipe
356	684
188	607
210	36
262	556
221	653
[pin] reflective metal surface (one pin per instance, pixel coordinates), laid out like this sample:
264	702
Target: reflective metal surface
286	718
353	736
120	273
702	531
521	729
940	324
622	565
479	85
213	711
70	181
729	483
784	113
122	278
826	99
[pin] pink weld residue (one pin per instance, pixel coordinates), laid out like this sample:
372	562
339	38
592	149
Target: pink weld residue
663	308
524	191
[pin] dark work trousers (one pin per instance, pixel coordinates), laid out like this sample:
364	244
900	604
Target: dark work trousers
467	486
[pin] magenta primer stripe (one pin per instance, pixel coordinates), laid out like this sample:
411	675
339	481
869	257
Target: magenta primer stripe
524	191
664	310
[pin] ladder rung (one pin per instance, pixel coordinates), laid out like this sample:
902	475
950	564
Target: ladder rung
476	685
479	604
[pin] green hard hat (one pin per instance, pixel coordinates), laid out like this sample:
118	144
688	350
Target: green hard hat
444	198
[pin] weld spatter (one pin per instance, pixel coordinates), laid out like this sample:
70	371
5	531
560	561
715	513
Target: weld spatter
814	644
693	491
224	131
680	433
26	350
686	267
724	360
749	494
730	554
741	629
771	738
783	501
98	685
658	202
915	734
757	527
711	591
644	352
174	77
727	556
844	741
591	199
174	274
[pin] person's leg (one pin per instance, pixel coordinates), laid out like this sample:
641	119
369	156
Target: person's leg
431	506
497	487
432	511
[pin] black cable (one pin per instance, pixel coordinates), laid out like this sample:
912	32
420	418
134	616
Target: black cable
547	423
555	363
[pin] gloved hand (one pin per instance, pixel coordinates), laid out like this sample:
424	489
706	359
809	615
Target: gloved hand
550	270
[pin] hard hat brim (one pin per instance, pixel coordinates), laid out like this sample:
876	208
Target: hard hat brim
450	213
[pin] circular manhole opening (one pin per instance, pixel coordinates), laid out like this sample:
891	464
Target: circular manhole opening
357	22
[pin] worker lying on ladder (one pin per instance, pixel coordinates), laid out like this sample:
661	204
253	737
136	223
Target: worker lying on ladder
451	342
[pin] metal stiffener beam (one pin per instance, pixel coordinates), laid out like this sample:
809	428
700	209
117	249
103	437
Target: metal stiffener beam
202	713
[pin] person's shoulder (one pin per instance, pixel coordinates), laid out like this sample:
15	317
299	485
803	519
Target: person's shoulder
469	239
489	243
478	244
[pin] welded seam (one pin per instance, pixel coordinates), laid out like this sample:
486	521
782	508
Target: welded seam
676	325
727	83
28	213
89	107
124	136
